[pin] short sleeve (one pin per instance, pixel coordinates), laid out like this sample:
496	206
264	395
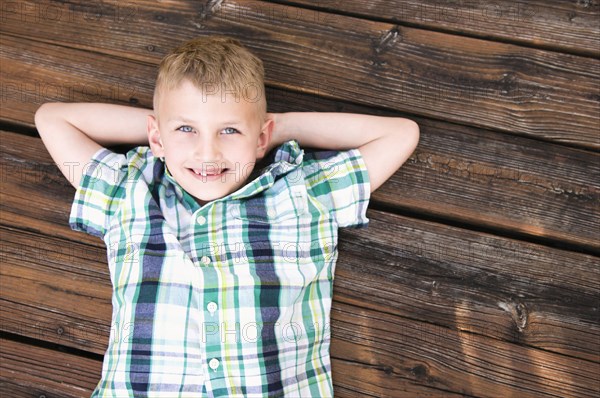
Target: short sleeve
340	180
100	192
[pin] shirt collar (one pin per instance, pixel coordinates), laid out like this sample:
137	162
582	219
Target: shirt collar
286	158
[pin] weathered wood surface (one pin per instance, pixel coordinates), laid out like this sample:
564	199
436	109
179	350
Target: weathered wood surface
418	306
19	379
540	93
466	175
566	26
30	371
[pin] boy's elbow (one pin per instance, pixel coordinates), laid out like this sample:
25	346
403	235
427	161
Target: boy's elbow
410	134
43	110
43	115
39	114
48	117
417	134
415	131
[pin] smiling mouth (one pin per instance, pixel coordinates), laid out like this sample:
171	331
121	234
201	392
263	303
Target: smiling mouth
201	173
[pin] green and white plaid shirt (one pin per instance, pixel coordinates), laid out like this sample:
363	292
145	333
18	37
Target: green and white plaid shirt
229	299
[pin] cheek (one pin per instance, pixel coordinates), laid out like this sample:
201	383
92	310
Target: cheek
241	160
173	155
175	147
248	156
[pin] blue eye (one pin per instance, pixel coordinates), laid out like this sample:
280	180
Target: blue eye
230	130
185	129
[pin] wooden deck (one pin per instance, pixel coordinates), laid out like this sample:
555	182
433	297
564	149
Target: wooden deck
479	274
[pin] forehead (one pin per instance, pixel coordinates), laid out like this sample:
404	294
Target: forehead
191	102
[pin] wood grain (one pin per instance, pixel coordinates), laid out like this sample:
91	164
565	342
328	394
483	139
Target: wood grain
468	364
473	282
566	26
465	175
55	290
30	371
504	87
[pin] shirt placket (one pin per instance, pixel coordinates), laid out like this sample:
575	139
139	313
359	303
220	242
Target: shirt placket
209	302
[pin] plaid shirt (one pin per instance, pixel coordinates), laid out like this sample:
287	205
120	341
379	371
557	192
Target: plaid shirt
229	299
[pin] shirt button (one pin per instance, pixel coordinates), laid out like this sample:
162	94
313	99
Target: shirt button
201	220
211	307
205	260
214	363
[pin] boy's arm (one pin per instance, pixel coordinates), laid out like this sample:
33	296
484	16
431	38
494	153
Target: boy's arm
73	132
385	143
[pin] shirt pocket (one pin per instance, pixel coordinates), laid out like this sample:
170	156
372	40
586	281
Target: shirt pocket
289	204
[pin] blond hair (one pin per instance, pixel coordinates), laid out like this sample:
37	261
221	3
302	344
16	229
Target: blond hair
214	64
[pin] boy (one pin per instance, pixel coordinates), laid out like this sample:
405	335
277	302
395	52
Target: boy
222	269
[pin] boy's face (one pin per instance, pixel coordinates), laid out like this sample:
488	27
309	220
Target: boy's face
210	142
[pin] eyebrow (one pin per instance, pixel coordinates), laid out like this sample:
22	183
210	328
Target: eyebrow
180	119
186	120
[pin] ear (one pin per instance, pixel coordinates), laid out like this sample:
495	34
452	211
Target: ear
154	140
264	138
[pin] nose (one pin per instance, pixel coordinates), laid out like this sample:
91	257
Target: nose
206	149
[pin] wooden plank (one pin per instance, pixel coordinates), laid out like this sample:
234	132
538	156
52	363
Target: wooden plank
391	346
27	371
527	91
454	361
29	176
568	26
473	282
30	371
355	379
466	175
36	73
55	290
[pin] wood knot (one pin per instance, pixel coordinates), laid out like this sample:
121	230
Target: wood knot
210	8
419	371
60	330
522	316
583	3
434	288
508	83
518	313
388	40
